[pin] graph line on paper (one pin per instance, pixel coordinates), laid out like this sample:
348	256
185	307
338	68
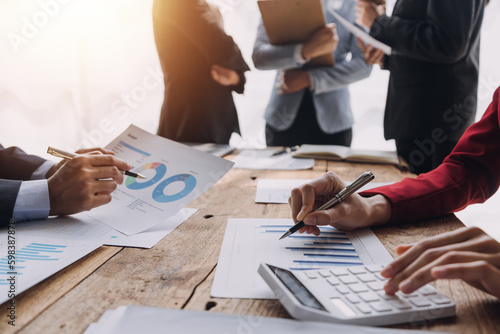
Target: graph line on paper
249	242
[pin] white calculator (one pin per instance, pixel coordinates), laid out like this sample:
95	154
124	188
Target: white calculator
352	295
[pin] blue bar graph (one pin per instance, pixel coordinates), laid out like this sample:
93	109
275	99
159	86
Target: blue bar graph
130	147
331	248
32	252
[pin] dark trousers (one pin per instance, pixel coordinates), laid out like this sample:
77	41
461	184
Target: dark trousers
305	129
423	155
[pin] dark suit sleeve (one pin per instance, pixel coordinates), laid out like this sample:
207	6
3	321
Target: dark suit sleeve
8	195
197	23
17	165
443	37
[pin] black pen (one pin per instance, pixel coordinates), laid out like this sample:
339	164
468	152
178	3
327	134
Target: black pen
342	195
68	156
286	150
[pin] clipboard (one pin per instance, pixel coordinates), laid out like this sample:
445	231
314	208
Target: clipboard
294	21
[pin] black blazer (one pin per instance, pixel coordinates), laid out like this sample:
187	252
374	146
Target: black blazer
189	41
15	166
434	68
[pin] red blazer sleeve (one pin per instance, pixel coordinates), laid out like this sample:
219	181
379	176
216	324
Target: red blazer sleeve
470	174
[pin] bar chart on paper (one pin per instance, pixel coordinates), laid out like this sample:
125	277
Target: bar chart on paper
33	262
248	242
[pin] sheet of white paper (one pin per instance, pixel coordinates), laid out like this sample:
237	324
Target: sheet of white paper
248	242
80	228
278	190
366	38
34	260
176	175
151	236
262	159
154	320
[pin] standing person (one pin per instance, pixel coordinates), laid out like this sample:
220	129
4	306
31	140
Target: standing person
201	66
434	67
312	105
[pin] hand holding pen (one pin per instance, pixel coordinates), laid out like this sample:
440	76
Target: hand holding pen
323	194
84	181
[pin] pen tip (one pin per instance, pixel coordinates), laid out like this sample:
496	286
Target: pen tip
287	233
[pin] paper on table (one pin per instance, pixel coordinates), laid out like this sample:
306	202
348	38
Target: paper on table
278	190
367	39
134	319
248	242
176	175
35	260
80	228
262	159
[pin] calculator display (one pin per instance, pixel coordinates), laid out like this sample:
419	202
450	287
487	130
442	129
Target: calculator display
297	288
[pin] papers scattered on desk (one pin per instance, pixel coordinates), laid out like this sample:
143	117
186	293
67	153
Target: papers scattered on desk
34	260
81	228
366	38
248	242
135	319
176	175
262	159
279	190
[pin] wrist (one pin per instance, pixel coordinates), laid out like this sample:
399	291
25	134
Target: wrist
306	51
379	210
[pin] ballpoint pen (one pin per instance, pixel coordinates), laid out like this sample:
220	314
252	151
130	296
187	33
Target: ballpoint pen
341	196
286	150
68	156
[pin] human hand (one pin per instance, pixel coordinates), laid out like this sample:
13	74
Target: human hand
372	55
367	11
85	182
224	76
354	212
291	81
323	41
467	253
95	150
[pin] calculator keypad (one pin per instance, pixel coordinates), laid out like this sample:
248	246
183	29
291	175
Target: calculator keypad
362	289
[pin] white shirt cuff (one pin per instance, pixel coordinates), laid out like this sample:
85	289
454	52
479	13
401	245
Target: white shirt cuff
298	54
32	201
42	170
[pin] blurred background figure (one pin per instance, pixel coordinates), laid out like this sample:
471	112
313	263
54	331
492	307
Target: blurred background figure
433	86
201	66
312	104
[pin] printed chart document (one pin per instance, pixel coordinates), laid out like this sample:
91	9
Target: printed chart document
79	228
176	175
262	159
366	38
135	319
248	242
279	190
34	260
343	153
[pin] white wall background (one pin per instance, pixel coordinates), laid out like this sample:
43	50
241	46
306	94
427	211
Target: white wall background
75	73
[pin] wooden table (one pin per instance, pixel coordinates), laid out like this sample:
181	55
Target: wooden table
178	272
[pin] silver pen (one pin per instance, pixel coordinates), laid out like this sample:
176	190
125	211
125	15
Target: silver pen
360	182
